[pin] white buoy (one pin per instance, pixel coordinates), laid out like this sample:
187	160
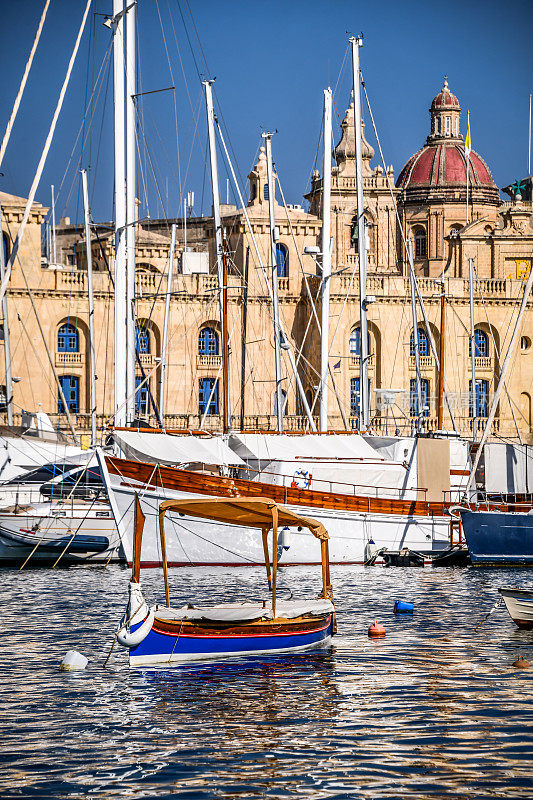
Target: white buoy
73	661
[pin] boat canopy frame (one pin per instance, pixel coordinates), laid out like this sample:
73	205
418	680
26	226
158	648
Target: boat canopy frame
259	512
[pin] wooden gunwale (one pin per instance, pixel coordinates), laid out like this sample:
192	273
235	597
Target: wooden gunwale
201	483
256	627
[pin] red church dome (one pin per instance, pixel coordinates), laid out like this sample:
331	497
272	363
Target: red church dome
438	170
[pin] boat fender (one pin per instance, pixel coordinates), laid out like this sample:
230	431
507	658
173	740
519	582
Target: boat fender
521	663
283	540
402	607
134	638
370	550
376	629
301	479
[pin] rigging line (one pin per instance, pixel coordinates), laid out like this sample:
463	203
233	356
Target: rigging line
42	160
22	86
189	40
197	37
174	93
496	352
97	86
179	56
402	232
215	544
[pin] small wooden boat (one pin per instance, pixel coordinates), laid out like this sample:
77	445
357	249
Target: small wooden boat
519	604
163	635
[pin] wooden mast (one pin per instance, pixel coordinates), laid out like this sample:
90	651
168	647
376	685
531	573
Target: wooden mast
441	357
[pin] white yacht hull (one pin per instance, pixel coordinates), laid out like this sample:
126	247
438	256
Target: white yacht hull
191	542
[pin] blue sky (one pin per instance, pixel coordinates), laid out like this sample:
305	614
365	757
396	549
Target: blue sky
271	62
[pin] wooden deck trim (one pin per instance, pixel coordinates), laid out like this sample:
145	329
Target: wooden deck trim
202	483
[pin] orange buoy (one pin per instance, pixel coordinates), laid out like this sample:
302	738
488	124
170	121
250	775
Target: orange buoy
521	663
376	629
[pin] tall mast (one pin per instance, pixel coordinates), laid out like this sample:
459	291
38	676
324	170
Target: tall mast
415	334
92	359
130	210
440	409
5	323
219	247
275	293
164	344
364	389
326	264
120	214
54	244
473	397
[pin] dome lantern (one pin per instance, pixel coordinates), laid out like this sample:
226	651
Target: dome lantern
445	112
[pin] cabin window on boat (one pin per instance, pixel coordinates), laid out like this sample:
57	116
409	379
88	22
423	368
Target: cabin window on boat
68	339
482	399
481	347
208	342
208	396
421	243
142	339
423	343
282	261
70	385
142	397
413	398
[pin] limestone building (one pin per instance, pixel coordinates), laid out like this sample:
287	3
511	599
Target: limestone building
430	195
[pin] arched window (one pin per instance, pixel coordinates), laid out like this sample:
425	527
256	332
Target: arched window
421	243
208	396
70	385
355	341
265	191
423	343
253	191
282	261
208	342
413	397
142	339
309	398
448	125
68	339
142	397
354	234
481	347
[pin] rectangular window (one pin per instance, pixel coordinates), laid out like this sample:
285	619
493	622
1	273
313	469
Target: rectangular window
142	398
482	399
448	125
70	384
413	397
208	396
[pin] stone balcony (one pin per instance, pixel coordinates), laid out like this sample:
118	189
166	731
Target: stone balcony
208	362
426	362
70	359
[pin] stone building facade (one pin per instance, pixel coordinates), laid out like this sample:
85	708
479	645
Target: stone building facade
430	195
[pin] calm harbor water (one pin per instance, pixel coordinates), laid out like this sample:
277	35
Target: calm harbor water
434	709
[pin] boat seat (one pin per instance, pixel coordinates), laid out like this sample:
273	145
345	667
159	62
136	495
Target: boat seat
247	612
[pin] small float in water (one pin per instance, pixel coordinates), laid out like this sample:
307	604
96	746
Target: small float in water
162	635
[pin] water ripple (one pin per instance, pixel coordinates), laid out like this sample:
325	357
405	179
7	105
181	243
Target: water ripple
433	709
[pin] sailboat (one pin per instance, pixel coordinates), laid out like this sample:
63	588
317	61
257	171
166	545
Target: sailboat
359	496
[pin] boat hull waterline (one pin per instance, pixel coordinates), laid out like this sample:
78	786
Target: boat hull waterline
163	646
498	538
519	604
193	542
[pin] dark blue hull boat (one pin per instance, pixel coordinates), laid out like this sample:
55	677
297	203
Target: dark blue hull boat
499	538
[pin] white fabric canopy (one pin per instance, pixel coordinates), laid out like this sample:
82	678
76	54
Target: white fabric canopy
508	468
163	448
18	455
281	447
247	612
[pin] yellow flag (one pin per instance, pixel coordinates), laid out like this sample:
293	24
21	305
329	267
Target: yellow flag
468	140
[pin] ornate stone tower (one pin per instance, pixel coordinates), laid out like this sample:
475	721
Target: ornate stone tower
379	208
433	187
